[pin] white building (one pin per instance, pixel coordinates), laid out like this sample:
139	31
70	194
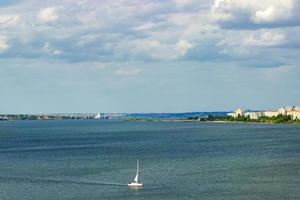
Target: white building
294	113
282	111
254	115
98	116
238	112
271	113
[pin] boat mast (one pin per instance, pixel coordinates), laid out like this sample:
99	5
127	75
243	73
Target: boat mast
136	179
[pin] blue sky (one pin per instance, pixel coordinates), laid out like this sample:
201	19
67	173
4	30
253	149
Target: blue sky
148	55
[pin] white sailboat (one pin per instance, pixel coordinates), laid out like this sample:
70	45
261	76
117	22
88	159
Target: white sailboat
135	182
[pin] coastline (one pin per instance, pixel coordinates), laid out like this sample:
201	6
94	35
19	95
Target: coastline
213	121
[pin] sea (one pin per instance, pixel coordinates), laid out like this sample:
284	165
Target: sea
95	159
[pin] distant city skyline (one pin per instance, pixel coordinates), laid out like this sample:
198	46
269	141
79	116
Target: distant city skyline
89	56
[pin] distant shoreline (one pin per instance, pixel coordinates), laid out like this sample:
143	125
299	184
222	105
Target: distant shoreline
219	117
155	121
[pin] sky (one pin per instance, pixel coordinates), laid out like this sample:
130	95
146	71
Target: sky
66	56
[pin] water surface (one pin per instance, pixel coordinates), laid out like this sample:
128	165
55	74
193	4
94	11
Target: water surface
95	160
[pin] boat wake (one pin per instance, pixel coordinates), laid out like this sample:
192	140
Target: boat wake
61	181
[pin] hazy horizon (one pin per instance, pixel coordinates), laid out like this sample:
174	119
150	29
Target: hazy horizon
95	112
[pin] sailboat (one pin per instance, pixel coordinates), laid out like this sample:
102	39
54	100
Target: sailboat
135	182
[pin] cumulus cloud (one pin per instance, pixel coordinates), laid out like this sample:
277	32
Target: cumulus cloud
48	14
275	11
268	15
149	30
256	13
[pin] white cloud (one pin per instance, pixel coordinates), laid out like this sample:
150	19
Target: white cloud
9	20
147	30
48	14
273	13
3	44
183	46
256	11
265	38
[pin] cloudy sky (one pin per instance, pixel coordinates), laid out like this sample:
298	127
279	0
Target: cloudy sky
148	55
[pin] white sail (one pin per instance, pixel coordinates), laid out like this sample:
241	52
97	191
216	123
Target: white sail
136	179
135	183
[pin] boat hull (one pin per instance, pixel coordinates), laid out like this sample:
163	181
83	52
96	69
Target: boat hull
135	184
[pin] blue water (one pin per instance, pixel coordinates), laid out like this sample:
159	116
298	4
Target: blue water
95	159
